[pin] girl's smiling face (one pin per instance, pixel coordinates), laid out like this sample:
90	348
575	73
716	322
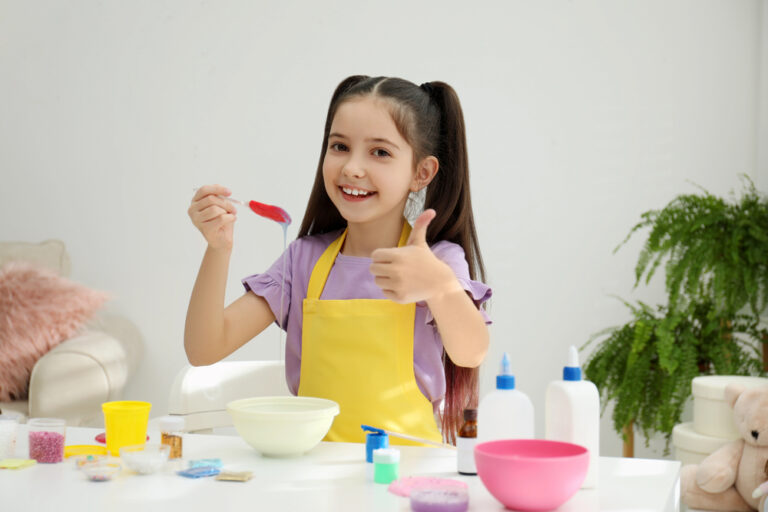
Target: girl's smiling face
368	167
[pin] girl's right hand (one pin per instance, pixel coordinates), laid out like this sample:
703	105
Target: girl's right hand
213	216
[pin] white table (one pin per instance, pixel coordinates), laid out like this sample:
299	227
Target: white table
330	477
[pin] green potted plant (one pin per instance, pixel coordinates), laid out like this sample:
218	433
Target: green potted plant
715	256
646	365
714	250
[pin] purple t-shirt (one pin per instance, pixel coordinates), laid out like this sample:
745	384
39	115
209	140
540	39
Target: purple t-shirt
350	278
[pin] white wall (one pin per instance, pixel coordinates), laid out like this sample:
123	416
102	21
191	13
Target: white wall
580	116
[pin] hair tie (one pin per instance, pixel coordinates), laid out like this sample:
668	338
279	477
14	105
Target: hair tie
427	88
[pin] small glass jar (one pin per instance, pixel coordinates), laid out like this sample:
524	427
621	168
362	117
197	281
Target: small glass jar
171	431
8	428
465	444
46	439
386	462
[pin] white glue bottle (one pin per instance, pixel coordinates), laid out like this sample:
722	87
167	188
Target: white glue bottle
572	413
505	413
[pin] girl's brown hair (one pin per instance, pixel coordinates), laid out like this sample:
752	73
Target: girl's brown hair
430	118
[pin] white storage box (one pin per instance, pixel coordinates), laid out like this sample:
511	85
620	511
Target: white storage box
692	447
712	416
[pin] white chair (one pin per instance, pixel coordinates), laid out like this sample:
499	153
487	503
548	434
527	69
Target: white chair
73	379
200	393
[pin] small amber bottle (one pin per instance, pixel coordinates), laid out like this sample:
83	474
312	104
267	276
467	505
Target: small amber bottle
465	443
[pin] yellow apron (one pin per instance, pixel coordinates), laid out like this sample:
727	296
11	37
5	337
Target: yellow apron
359	353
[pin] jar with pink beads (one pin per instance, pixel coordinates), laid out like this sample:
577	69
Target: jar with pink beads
46	439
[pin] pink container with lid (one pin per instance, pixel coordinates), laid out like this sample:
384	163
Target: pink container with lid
531	474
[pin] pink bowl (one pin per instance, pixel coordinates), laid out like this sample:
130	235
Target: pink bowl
531	474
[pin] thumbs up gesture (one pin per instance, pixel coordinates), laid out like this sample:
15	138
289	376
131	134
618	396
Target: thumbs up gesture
412	273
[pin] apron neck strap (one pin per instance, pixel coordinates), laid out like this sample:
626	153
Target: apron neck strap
325	263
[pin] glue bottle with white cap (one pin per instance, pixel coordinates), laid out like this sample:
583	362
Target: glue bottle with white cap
506	412
572	413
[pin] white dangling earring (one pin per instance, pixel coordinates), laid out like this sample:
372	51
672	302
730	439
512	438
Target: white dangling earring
414	205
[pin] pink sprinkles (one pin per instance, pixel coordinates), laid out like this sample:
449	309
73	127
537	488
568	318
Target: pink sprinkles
46	447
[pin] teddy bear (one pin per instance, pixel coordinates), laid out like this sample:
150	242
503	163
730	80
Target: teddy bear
727	478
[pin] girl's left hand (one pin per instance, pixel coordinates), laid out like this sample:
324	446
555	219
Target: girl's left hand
412	273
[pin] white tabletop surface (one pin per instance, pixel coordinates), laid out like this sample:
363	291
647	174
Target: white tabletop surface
332	476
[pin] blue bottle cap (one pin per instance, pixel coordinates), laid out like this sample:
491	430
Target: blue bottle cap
571	373
573	370
374	440
505	379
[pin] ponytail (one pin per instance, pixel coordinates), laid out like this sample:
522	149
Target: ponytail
449	195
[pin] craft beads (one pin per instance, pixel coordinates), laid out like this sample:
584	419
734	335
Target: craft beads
174	442
82	460
101	471
46	439
46	446
171	430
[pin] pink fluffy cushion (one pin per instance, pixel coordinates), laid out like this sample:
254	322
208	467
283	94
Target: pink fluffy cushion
38	310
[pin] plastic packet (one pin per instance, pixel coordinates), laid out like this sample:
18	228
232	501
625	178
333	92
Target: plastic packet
235	476
199	472
214	463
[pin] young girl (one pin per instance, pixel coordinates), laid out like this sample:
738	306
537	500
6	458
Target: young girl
380	317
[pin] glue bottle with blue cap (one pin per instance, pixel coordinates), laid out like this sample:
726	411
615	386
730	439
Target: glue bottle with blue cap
572	413
506	412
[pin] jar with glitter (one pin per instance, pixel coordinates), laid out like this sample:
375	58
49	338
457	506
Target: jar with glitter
46	439
171	432
8	427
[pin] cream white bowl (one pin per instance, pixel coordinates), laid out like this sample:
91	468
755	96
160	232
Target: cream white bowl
282	426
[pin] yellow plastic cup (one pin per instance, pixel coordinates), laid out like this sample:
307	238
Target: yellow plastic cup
125	423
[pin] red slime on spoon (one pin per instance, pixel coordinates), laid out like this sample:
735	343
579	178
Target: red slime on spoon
268	211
